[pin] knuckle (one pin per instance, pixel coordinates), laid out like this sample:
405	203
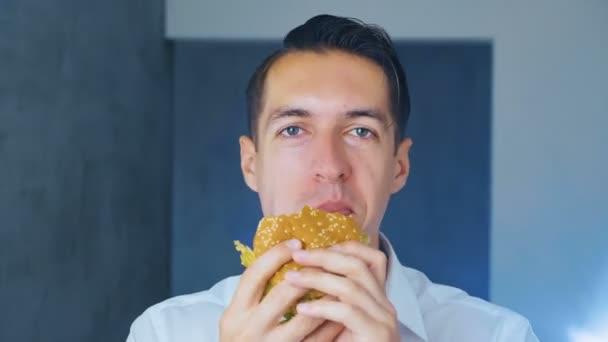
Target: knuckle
392	310
280	249
389	331
355	265
349	244
351	289
348	289
360	264
306	272
272	258
285	292
380	258
385	335
349	309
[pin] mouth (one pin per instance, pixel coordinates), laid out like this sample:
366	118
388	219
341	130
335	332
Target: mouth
336	207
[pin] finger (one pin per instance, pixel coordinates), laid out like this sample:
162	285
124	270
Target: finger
296	329
254	279
340	287
375	259
342	264
353	318
328	331
277	302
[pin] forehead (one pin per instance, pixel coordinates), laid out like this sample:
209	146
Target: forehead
324	82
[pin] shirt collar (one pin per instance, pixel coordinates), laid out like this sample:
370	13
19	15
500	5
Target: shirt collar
401	294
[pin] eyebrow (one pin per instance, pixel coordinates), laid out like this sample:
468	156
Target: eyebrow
369	113
287	112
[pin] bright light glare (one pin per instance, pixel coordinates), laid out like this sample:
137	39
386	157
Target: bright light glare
584	335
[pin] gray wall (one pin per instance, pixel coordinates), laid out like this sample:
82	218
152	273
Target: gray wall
85	167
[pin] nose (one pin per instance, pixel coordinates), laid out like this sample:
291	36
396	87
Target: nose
330	161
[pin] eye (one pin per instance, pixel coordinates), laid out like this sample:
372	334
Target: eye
361	132
291	131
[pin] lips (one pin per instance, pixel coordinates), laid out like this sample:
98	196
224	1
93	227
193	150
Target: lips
336	207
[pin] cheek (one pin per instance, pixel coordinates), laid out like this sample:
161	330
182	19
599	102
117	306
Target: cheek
373	178
286	166
283	180
373	172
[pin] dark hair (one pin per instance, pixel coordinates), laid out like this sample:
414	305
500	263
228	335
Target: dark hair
326	32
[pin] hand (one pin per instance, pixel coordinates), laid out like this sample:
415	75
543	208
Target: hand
248	319
354	274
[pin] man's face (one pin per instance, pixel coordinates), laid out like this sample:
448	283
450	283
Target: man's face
325	138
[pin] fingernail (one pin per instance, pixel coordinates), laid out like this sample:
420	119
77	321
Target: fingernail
303	308
294	244
292	275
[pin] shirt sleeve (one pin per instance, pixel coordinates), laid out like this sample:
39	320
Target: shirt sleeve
518	330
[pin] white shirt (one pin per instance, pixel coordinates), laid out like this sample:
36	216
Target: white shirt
426	312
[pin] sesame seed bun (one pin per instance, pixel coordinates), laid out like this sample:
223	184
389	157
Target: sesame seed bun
313	227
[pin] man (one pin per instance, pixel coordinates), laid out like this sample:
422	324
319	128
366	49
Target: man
327	114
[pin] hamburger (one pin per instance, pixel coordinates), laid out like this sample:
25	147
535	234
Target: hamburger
315	228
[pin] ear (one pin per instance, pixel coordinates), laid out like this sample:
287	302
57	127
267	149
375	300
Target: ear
248	155
402	165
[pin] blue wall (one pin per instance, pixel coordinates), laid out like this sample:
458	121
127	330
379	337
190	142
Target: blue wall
439	223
